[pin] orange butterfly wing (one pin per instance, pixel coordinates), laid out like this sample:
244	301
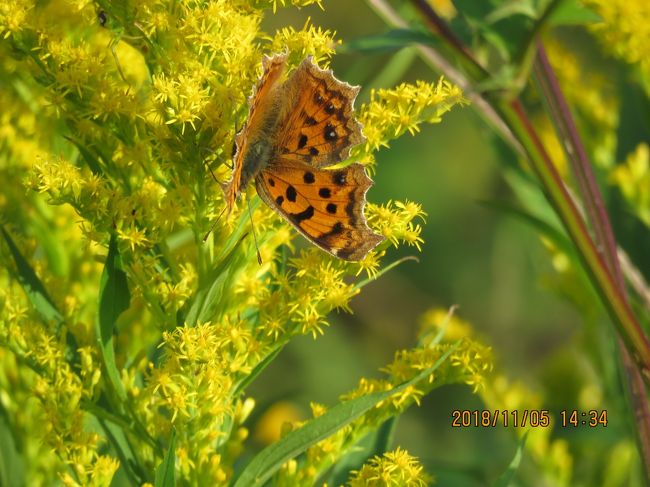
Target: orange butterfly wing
319	127
293	130
325	206
262	105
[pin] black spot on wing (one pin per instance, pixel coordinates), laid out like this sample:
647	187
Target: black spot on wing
313	151
349	209
279	200
271	182
308	177
329	132
302	216
303	141
324	193
331	208
344	253
337	229
339	178
309	121
291	194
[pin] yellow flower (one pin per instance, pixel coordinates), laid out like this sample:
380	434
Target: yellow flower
134	237
269	426
309	41
13	16
624	31
395	468
395	221
392	112
436	319
633	180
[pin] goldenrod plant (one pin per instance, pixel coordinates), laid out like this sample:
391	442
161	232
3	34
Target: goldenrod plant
128	343
139	319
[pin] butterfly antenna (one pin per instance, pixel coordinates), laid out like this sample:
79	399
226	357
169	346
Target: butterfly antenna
257	247
214	224
213	176
113	47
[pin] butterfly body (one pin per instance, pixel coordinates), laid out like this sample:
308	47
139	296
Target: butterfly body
295	129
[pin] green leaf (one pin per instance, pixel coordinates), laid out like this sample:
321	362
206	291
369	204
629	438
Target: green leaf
573	12
506	477
215	284
269	460
32	285
165	474
241	230
56	255
206	299
511	8
12	465
91	159
114	299
375	444
390	41
120	444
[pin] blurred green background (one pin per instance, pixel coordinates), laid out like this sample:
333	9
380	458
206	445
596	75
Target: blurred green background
493	266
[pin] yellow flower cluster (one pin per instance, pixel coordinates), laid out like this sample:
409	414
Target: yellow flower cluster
393	468
395	221
624	31
469	363
393	112
633	179
309	41
593	103
109	118
192	391
60	390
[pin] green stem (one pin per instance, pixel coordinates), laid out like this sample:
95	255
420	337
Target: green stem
604	236
558	196
514	116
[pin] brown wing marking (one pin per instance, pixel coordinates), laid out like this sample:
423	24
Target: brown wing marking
319	128
325	206
261	102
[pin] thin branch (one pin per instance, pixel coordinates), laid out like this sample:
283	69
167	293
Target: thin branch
604	236
635	278
514	113
592	200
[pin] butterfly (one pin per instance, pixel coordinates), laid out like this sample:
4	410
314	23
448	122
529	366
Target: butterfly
295	129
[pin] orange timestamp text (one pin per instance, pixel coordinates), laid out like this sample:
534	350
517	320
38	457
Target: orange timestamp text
465	418
533	418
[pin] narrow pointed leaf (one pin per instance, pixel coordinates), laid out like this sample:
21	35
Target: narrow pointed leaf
506	477
32	285
269	460
114	299
375	444
165	475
